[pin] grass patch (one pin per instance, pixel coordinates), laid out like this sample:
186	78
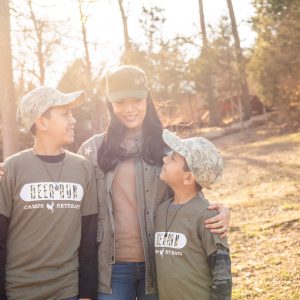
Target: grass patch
262	189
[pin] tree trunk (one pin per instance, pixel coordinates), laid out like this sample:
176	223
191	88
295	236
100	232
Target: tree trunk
9	129
95	116
241	64
85	45
211	101
39	35
125	33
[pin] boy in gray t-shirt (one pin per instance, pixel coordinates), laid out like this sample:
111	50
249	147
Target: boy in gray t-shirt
191	262
48	207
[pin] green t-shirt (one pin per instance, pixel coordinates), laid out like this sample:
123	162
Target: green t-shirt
45	223
182	245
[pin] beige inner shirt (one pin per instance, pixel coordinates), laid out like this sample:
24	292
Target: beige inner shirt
128	238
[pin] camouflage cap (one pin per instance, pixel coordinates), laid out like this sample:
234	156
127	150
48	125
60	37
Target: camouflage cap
202	157
37	101
126	82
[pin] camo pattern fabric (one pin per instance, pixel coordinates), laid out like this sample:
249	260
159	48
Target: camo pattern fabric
220	264
37	101
202	157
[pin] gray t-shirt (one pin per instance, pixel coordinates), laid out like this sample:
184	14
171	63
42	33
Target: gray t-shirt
45	223
182	245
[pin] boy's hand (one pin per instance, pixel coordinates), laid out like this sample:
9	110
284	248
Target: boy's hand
220	223
1	170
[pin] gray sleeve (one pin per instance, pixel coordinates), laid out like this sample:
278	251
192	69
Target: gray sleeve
89	149
81	150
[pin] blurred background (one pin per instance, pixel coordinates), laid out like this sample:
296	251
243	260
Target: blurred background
228	70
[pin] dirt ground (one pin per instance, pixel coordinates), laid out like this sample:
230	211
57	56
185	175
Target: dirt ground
261	185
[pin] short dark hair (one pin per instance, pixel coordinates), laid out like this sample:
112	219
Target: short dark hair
46	114
186	168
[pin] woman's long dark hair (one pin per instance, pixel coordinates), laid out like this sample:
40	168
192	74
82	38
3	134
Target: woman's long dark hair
110	151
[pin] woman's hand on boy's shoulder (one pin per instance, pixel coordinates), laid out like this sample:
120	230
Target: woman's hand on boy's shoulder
219	223
1	169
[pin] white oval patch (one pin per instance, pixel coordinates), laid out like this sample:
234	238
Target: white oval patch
173	240
44	191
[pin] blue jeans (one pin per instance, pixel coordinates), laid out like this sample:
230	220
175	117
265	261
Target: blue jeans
128	283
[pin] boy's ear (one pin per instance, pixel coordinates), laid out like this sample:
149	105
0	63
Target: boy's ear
189	178
41	123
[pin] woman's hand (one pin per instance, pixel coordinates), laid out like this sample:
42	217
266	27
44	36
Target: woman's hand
219	223
1	170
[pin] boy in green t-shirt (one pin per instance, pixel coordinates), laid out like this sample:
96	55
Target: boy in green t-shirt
48	207
191	262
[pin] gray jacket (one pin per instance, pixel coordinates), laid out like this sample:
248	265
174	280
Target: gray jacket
151	191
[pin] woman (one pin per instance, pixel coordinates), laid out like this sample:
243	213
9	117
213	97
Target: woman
127	159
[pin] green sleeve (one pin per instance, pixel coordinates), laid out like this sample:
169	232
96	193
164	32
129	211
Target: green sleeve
90	200
209	240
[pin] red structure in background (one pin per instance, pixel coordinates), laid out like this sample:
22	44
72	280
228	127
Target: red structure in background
194	111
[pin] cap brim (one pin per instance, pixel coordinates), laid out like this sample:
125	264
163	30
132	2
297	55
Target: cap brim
74	99
174	142
56	99
118	96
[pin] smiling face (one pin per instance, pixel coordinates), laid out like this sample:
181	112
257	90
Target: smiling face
58	125
131	113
